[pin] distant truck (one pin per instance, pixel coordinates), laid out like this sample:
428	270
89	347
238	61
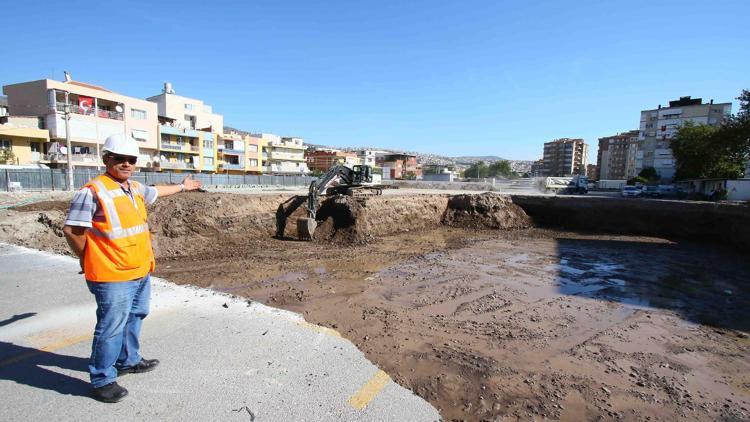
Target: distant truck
611	184
565	185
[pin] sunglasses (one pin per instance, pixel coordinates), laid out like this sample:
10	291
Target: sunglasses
122	158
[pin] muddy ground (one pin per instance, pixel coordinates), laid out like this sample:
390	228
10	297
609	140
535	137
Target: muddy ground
516	322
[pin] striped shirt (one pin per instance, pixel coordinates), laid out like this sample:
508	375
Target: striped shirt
84	208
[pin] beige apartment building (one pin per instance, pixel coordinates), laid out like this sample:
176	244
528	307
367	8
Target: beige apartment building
615	158
282	155
94	113
21	140
564	157
189	133
240	153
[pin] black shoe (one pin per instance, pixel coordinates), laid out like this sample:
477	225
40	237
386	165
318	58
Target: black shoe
110	393
144	365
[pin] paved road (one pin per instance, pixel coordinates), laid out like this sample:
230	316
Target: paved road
222	358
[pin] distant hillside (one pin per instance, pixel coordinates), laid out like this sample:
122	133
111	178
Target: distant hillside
471	159
422	158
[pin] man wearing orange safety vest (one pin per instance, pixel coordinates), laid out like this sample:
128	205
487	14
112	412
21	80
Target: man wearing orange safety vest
107	228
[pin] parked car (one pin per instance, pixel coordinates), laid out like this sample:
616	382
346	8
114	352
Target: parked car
651	192
630	192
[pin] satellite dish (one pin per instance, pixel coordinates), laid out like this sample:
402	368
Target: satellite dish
119	109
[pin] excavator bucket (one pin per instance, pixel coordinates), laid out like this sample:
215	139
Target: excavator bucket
306	228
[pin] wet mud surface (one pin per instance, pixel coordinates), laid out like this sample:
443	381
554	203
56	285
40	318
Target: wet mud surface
525	324
488	324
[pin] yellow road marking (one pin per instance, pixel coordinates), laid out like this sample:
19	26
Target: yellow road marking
319	329
368	392
48	348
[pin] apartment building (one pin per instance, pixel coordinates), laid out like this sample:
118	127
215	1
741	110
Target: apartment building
564	157
592	171
367	157
189	131
3	106
659	126
22	140
399	166
323	160
537	168
240	153
614	152
93	112
282	155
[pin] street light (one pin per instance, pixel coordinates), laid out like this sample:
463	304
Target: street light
67	141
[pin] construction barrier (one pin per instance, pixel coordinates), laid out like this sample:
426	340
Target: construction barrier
57	179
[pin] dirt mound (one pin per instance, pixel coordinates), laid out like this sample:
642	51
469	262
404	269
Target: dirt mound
197	222
485	211
37	230
44	206
341	221
345	220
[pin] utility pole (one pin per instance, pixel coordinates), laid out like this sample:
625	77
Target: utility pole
67	141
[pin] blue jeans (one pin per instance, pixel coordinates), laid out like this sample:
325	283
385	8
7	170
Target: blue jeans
120	310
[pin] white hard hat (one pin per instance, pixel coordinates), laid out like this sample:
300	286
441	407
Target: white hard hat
120	144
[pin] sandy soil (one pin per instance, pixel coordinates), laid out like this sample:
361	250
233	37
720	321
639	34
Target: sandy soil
485	324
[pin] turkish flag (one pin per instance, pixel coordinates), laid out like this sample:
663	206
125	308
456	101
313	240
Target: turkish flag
86	104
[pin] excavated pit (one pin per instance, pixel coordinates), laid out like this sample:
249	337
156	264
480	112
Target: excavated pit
466	301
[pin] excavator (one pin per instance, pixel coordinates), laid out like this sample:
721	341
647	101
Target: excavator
339	180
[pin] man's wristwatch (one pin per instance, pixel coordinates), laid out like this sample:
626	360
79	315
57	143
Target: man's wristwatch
182	187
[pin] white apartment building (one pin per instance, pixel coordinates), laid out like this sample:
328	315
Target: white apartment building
659	126
94	114
3	105
367	157
186	113
282	155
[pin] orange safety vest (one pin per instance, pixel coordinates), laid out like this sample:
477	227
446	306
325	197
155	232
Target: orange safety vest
118	248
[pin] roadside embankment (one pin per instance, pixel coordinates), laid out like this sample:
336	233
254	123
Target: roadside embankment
726	224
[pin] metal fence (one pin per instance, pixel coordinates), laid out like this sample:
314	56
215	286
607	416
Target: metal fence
57	179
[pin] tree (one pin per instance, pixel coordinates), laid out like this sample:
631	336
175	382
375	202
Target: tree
649	174
702	151
706	152
500	168
7	156
477	171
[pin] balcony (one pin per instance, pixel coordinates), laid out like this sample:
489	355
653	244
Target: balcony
172	147
57	157
287	156
170	130
233	152
228	166
176	165
75	109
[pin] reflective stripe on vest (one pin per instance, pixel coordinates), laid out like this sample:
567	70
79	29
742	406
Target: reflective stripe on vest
119	233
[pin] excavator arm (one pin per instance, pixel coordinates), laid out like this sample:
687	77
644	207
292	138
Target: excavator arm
348	178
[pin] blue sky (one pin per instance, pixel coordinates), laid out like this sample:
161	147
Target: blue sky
453	78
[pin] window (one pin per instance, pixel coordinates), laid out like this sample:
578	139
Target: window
4	143
140	135
208	143
164	137
208	161
36	147
252	148
253	163
138	114
189	106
